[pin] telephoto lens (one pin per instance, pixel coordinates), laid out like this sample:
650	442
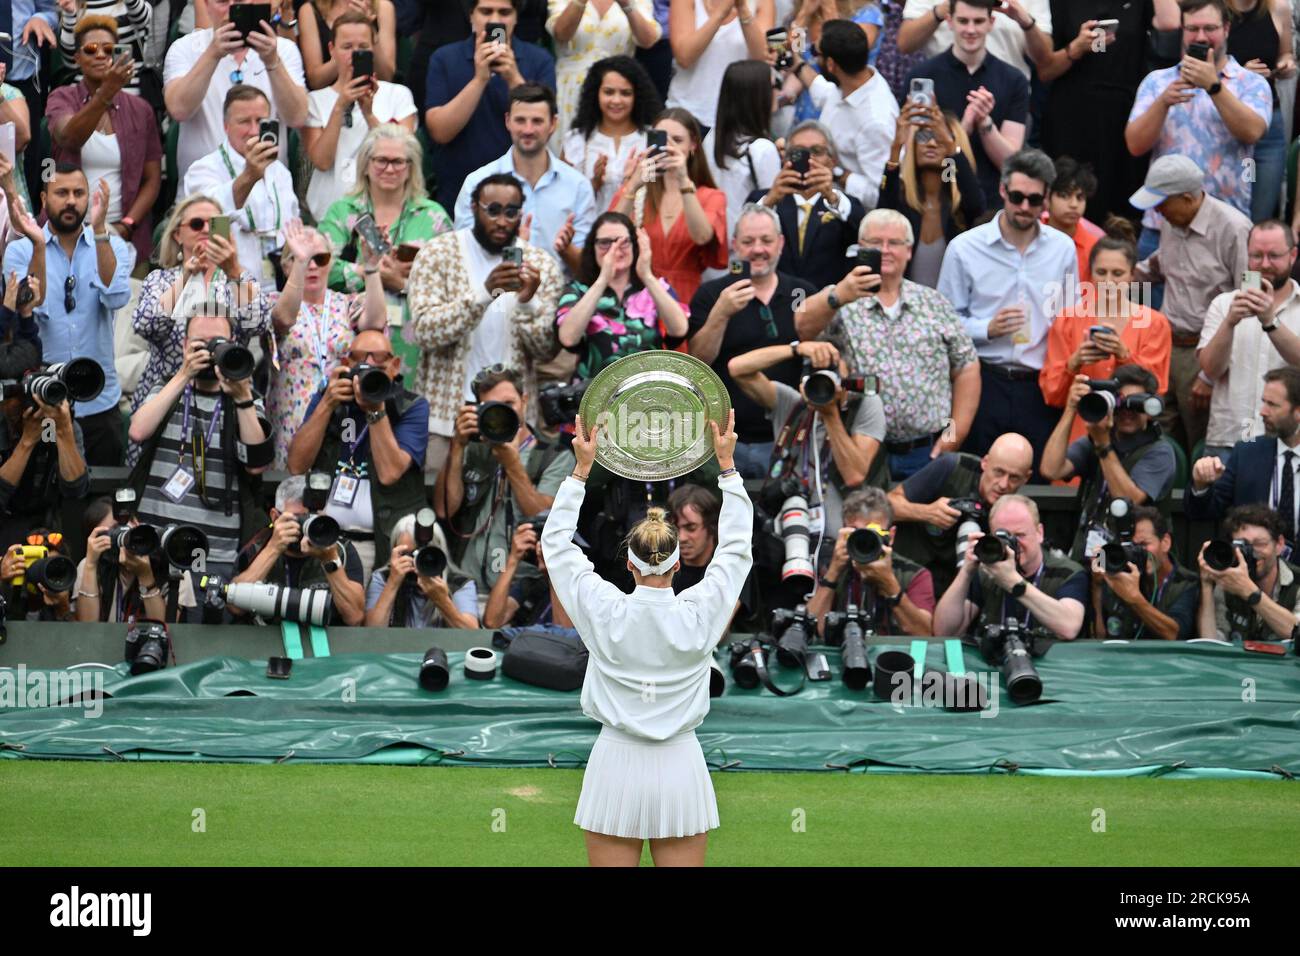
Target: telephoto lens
867	544
853	654
273	602
373	383
1095	406
1114	558
82	378
744	665
1221	555
430	561
498	422
991	548
821	386
141	540
793	628
717	682
46	388
320	530
148	646
1024	686
182	545
55	572
234	361
434	673
793	526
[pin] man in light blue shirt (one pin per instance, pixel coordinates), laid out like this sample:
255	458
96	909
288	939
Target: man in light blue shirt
1008	280
87	273
557	197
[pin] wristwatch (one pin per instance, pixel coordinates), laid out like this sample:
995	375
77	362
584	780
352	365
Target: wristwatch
832	299
897	599
1019	590
826	582
372	417
1213	90
794	348
1255	598
1103	450
1269	328
332	565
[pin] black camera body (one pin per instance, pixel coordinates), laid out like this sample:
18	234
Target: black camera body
1221	555
867	544
319	530
1008	646
498	423
140	540
791	630
372	382
148	646
560	404
234	360
538	521
993	547
849	630
745	658
77	380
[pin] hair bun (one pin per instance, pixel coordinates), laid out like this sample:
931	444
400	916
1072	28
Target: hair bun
656	514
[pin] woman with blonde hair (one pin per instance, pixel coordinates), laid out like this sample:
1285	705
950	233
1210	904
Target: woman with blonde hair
646	778
389	187
195	267
929	179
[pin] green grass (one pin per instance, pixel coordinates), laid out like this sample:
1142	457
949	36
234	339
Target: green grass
100	814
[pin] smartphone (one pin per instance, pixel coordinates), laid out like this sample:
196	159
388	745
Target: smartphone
1198	51
370	232
121	50
656	139
1097	330
869	258
740	270
1107	26
247	16
496	33
406	252
1252	281
268	131
777	37
514	255
921	91
220	227
799	159
363	63
278	668
1261	647
25	293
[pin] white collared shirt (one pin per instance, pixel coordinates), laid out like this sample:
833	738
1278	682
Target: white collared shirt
1234	407
863	128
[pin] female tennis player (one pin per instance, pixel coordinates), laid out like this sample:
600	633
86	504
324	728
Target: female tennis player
648	675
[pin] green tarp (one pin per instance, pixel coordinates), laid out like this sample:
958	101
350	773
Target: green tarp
1107	708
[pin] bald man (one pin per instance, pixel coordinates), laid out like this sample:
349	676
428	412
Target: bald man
927	524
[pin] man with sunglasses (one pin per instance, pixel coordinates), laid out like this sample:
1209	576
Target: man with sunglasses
1008	279
88	275
374	449
251	185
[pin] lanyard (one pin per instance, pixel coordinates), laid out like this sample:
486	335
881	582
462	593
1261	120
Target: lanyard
185	420
275	193
498	497
1025	622
352	452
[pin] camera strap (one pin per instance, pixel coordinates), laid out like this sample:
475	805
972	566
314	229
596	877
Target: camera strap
765	676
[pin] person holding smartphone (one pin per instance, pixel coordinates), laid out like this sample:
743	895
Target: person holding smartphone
133	20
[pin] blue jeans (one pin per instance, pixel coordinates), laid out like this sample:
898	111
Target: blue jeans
1270	158
752	459
1148	242
905	466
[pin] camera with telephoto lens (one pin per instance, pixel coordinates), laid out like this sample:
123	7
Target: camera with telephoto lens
125	504
148	646
54	572
994	547
498	423
560	404
792	525
430	560
372	381
791	629
1117	555
234	360
275	602
1008	647
182	545
867	544
746	657
318	530
1104	399
140	540
78	380
538	521
849	630
1222	555
973	519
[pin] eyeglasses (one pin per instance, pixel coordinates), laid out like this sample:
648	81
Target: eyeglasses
371	356
1018	198
1272	256
198	224
95	49
69	287
496	210
881	243
819	150
389	162
605	243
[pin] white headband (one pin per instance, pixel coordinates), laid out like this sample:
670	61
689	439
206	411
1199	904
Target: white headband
661	568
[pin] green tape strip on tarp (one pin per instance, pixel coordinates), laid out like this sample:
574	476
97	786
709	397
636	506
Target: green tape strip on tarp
320	642
1145	708
292	634
954	658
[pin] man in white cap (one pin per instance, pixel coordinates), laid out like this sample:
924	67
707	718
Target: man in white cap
1202	253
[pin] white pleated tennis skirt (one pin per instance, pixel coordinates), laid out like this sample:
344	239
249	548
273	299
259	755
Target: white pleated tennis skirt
649	789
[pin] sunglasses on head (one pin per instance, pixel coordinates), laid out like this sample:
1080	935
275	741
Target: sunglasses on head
1017	197
496	210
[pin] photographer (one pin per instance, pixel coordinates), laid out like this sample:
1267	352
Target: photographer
1121	456
279	555
1049	591
928	525
399	596
44	464
897	594
205	441
123	585
530	600
21	603
1255	600
488	486
841	449
374	449
1123	612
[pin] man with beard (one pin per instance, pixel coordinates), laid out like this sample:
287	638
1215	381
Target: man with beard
1008	279
472	308
1256	600
558	199
1247	331
88	269
730	317
1261	470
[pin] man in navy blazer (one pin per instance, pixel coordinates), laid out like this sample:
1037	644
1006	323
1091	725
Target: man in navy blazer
1256	469
832	225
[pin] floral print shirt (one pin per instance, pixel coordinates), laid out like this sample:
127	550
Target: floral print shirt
616	329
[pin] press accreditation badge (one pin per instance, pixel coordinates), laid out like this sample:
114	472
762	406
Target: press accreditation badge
345	490
395	311
1097	538
816	519
178	485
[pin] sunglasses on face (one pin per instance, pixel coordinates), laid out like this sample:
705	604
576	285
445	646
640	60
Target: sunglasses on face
371	356
1018	198
496	210
320	259
95	49
198	224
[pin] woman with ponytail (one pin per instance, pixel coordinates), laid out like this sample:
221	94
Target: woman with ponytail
1077	344
648	675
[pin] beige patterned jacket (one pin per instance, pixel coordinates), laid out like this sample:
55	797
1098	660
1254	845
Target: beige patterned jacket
445	311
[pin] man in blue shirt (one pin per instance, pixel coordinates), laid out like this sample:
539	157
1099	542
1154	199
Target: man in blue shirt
87	270
557	197
466	89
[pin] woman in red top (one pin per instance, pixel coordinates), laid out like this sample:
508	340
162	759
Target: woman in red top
671	195
1133	333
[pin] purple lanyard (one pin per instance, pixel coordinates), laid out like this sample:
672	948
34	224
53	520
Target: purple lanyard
352	449
185	422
